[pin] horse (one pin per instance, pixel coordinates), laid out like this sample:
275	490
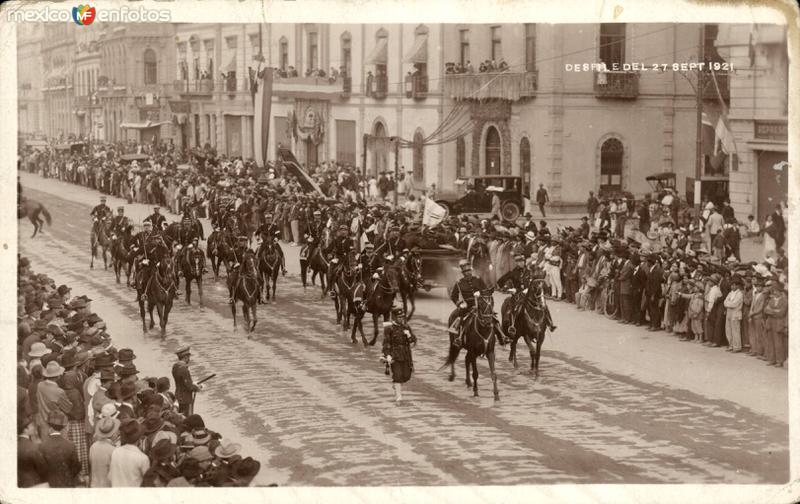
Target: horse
219	250
269	265
31	209
345	282
100	236
409	280
246	290
380	298
479	339
523	314
312	257
193	264
160	292
121	253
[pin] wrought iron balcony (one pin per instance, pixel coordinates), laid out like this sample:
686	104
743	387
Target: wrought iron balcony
347	86
381	87
616	84
511	86
198	87
416	86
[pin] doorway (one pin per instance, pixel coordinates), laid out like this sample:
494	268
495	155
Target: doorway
492	151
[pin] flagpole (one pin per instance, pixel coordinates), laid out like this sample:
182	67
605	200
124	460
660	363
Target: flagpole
698	161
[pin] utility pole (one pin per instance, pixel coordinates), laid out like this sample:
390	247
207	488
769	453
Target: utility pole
698	161
396	141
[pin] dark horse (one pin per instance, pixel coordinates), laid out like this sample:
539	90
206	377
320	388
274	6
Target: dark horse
409	280
193	265
100	236
32	209
219	250
312	257
246	291
121	256
380	297
177	233
345	283
160	289
524	315
479	339
269	265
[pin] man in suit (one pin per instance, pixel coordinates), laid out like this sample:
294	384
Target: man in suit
626	288
31	466
184	386
60	455
655	276
638	284
50	397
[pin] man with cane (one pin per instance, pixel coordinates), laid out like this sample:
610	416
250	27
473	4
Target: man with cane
185	388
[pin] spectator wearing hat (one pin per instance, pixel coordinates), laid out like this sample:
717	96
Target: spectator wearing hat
124	395
31	465
106	440
100	397
244	471
733	316
695	310
63	466
190	474
128	464
163	469
185	388
654	293
756	319
625	277
50	397
776	325
72	383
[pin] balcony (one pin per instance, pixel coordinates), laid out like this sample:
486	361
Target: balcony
710	90
347	86
616	85
198	87
512	86
311	88
416	86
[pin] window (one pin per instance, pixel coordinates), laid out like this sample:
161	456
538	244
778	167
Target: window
497	43
313	51
346	142
463	37
611	166
493	149
346	54
419	158
284	53
530	47
461	157
612	43
150	67
525	162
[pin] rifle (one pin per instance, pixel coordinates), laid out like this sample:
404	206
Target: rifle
194	393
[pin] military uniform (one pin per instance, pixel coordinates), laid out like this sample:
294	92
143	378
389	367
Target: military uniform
184	386
518	277
397	341
157	220
119	223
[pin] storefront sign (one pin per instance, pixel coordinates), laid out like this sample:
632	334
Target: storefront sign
772	130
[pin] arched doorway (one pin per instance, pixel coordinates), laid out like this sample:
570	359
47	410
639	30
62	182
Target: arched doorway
492	151
611	167
379	150
525	164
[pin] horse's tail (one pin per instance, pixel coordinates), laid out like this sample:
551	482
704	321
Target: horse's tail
451	357
46	215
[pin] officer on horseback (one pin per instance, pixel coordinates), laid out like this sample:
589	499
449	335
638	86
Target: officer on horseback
273	239
464	295
268	229
156	219
100	213
187	222
518	277
150	248
366	257
340	248
119	222
238	256
393	245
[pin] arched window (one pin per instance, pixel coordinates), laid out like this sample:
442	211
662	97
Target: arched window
461	157
150	67
525	162
611	166
419	157
492	151
380	154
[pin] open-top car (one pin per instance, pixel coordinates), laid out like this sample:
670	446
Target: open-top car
474	195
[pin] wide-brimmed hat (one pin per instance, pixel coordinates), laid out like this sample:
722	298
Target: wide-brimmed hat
227	450
38	349
52	370
130	431
183	351
106	427
246	468
103	360
126	391
109	410
162	450
200	436
152	423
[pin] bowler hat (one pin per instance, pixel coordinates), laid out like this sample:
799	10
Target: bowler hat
162	450
246	468
130	431
103	360
152	423
128	369
106	427
125	355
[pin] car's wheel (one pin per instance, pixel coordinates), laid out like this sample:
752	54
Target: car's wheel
510	211
446	207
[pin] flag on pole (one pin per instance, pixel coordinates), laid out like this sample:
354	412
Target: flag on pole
724	138
261	118
433	213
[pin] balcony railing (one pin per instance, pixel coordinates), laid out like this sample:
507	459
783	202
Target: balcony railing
380	87
347	85
710	90
202	87
511	86
311	87
416	86
616	84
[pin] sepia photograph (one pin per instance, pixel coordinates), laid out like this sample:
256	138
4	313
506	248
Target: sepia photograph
396	252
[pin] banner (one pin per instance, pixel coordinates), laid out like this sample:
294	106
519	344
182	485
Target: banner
433	213
291	165
261	117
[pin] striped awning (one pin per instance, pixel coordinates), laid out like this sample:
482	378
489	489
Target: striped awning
419	51
378	56
143	125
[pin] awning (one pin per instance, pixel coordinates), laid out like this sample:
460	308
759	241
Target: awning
378	55
143	125
419	52
231	66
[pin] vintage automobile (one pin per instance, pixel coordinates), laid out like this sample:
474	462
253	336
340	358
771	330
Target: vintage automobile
473	195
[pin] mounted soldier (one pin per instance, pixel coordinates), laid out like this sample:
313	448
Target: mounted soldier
188	222
156	219
463	295
238	255
340	249
119	222
100	213
150	248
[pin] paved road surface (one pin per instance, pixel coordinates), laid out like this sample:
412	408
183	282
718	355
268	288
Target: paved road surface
613	405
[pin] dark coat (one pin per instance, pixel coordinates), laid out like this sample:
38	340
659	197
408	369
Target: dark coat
31	466
654	279
626	278
397	342
184	386
62	461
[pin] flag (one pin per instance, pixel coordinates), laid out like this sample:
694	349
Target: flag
724	137
261	118
433	213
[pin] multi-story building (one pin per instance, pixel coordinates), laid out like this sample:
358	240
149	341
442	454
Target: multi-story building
86	72
135	81
758	116
57	49
30	78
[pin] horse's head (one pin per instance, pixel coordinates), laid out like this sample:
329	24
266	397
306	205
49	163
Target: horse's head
249	262
485	302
